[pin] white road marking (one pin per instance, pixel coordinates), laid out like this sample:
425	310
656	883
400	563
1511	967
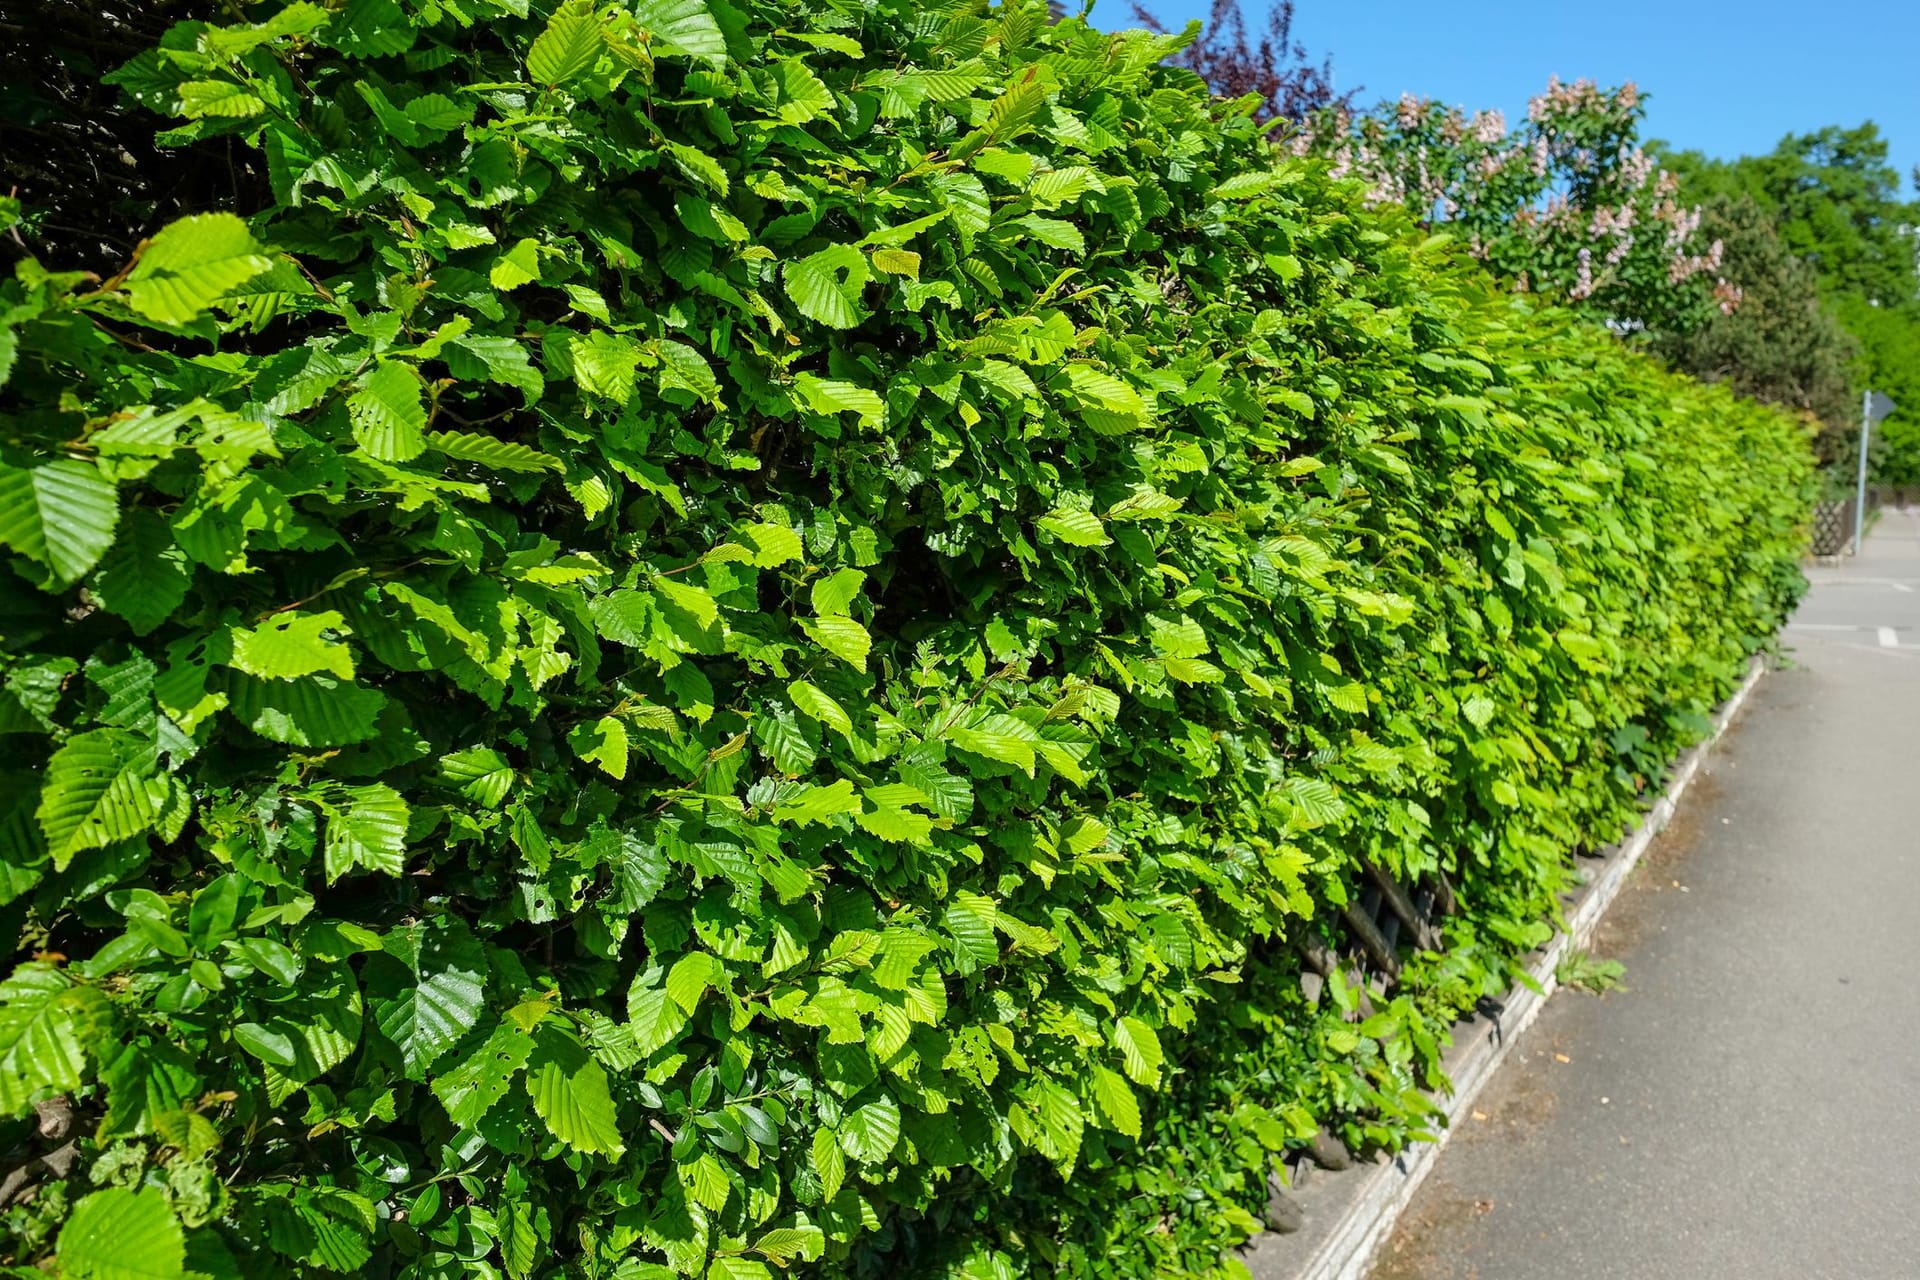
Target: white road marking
1888	640
1824	626
1901	586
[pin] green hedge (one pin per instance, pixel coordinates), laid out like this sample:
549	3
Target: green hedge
736	638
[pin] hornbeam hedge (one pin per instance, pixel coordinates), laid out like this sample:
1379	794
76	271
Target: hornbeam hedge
731	635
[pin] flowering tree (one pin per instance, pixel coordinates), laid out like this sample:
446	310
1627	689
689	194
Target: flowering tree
1567	206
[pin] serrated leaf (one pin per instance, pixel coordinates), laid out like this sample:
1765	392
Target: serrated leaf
144	576
654	1019
869	1133
313	711
389	413
842	637
517	267
93	795
835	593
603	743
1139	1050
686	27
569	1091
998	737
219	98
117	1234
814	702
830	396
495	358
826	285
786	1244
433	998
971	919
366	827
60	514
495	454
817	803
192	264
480	1079
684	369
1079	528
293	644
829	1162
568	47
46	1024
1114	1102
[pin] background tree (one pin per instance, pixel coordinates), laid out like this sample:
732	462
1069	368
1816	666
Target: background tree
1567	205
1781	345
1272	65
1836	205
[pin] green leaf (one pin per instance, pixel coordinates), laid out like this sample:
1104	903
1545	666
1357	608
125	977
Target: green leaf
47	1025
293	644
971	919
685	27
826	286
835	593
842	637
831	396
313	711
93	795
569	1091
773	544
1139	1050
684	369
604	364
890	819
869	1133
117	1234
60	514
517	267
490	452
145	576
1114	1102
428	1001
496	358
366	827
998	737
655	1020
389	413
817	803
219	98
192	264
812	701
604	743
829	1163
569	46
786	1244
1080	528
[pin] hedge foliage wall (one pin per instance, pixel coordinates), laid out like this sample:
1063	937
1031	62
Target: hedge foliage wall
744	638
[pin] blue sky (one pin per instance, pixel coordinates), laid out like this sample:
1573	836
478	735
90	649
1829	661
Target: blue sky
1726	77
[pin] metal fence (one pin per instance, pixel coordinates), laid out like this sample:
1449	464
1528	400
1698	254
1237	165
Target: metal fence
1832	527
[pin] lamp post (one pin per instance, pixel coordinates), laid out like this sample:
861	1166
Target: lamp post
1874	408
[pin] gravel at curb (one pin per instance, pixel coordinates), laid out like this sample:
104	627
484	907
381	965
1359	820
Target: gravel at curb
1349	1216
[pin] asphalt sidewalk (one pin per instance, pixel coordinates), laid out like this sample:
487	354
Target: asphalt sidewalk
1749	1106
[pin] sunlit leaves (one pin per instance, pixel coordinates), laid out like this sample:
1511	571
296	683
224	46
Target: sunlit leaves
60	514
826	285
568	47
192	264
122	1234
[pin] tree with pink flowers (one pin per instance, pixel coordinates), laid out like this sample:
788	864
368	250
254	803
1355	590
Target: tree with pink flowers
1566	205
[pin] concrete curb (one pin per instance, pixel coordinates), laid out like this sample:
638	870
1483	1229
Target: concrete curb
1351	1216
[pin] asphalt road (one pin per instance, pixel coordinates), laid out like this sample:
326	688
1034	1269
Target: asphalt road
1749	1107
